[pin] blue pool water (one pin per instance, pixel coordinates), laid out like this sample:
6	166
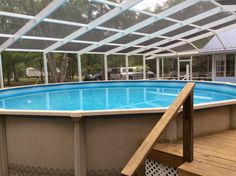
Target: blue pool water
109	95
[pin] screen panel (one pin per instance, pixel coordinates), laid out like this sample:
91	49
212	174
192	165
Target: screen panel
193	11
52	30
73	47
212	18
159	25
96	35
179	31
182	48
11	25
27	7
31	44
128	38
104	48
80	11
151	41
125	20
127	50
2	40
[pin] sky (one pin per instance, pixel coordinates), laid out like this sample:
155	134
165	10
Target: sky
149	3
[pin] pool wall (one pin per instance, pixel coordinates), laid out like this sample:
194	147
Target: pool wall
94	145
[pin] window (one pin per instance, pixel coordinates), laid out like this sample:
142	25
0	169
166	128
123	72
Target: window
230	64
225	65
220	65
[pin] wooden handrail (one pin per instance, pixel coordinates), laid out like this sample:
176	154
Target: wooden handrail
184	98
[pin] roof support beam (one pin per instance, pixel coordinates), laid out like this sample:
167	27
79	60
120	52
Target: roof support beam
107	16
140	25
168	29
48	10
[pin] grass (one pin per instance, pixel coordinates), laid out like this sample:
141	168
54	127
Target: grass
28	81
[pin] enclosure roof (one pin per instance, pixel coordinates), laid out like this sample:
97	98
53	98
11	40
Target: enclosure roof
132	27
228	42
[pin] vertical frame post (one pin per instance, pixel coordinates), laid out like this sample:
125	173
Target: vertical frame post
157	68
45	64
191	68
127	67
144	68
187	73
162	68
188	129
105	68
213	70
1	73
178	69
79	67
235	65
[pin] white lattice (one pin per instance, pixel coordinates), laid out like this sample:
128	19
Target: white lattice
153	168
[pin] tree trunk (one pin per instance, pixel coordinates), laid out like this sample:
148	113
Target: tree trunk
41	69
16	78
63	69
8	77
53	67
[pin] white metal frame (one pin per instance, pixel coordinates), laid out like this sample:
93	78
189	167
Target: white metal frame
144	68
49	9
157	68
127	67
1	73
79	67
118	9
45	65
210	25
154	18
106	17
166	30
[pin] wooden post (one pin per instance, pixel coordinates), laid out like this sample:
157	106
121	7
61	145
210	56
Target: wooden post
3	149
188	129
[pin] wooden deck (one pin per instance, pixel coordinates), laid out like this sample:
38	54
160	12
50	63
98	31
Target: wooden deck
214	155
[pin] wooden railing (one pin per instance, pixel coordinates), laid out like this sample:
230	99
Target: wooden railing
185	98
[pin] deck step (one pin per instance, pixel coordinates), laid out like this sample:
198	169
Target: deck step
214	155
197	168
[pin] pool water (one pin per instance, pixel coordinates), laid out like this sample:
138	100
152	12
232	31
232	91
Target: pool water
109	95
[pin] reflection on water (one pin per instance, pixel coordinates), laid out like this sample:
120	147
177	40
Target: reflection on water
105	98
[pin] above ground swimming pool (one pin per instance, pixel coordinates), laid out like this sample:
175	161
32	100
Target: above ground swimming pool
109	95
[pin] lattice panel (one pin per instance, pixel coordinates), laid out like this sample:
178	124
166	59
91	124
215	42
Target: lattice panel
22	170
153	168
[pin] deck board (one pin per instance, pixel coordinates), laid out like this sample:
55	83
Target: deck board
213	154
